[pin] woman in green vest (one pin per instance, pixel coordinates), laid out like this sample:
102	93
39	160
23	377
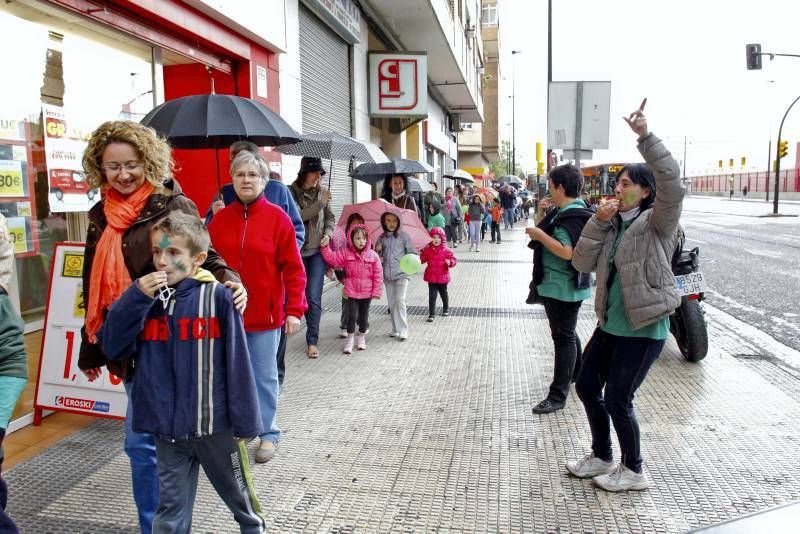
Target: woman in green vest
628	243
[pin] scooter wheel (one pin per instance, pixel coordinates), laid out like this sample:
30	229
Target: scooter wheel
690	330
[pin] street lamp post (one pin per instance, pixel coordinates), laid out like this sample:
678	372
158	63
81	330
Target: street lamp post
778	159
513	117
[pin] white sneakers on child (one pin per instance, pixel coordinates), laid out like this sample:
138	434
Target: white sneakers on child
343	333
348	344
361	341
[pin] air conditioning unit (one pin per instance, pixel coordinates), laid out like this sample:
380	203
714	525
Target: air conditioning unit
455	123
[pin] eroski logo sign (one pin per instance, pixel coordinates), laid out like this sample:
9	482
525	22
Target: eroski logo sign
82	404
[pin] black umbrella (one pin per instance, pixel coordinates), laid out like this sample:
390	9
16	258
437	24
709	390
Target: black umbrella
372	173
217	121
334	146
511	180
419	186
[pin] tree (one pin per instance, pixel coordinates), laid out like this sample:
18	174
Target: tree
502	166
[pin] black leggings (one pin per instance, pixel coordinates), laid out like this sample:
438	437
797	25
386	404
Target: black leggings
433	290
358	312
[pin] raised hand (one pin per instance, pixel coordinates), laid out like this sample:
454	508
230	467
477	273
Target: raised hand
637	120
150	283
608	209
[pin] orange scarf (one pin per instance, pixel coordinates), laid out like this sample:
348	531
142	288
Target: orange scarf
109	276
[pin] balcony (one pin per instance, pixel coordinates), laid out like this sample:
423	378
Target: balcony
430	26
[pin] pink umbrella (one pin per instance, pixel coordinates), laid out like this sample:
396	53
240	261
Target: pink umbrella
371	212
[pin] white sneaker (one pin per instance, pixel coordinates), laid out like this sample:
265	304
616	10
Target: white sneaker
402	337
622	479
343	333
477	249
471	246
589	466
392	334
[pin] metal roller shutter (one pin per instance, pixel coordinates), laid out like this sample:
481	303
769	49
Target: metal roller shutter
325	98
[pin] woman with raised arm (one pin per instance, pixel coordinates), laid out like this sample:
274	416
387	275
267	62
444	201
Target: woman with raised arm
628	243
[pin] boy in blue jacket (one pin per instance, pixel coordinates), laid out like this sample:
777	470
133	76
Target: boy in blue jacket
193	386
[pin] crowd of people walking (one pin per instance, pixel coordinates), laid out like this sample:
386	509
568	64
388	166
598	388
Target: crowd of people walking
257	264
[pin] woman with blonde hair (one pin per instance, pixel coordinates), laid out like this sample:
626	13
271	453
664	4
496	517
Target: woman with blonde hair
133	168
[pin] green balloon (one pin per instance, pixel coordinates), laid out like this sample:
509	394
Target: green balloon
410	264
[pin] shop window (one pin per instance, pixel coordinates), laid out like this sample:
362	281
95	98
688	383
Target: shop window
69	76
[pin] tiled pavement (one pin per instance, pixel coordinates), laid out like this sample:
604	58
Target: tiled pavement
436	434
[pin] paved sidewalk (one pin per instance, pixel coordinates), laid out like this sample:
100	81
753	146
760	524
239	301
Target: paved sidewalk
436	434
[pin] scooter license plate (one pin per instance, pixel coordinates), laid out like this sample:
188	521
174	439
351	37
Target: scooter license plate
690	284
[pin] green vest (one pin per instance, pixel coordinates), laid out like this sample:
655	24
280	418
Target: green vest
559	277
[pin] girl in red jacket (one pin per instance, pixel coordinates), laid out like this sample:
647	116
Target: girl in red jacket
363	281
439	259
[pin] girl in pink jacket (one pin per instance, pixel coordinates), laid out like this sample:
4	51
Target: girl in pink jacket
440	260
363	281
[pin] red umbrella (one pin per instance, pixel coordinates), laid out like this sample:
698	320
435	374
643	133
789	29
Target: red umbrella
371	212
487	192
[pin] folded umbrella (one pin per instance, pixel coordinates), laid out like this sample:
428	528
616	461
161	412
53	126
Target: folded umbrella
371	212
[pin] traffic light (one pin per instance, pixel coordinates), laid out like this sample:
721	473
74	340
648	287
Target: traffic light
783	149
753	56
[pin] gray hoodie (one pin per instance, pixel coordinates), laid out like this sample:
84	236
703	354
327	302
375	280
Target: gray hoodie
394	245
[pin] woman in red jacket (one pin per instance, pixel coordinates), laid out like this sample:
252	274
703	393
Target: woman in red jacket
440	260
258	238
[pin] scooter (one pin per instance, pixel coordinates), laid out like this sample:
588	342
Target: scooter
688	324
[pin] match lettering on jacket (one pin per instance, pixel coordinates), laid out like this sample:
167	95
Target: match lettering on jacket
157	329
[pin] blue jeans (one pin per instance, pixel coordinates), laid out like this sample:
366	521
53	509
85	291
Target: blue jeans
475	232
508	217
141	449
263	348
315	276
620	365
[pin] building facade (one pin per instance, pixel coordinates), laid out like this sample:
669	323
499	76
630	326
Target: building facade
479	143
79	63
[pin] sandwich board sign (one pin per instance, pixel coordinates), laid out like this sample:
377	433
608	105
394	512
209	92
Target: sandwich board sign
61	386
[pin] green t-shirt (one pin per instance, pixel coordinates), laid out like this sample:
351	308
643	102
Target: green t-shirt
436	221
559	277
617	323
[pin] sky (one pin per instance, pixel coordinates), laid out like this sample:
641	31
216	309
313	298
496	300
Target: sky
686	57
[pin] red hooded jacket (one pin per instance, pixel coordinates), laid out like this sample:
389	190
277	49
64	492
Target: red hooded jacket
437	271
258	241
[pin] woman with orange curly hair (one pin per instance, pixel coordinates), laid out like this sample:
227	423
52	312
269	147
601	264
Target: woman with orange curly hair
133	168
